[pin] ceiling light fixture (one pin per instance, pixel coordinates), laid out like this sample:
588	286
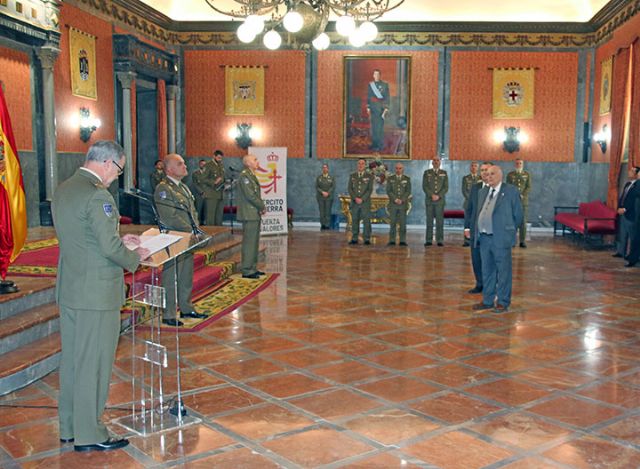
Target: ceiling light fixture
306	20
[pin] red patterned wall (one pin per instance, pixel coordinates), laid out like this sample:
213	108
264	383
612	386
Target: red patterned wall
15	76
67	105
424	102
622	37
283	123
551	131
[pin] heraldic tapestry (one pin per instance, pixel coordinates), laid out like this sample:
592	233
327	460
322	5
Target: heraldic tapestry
82	55
605	86
244	91
513	93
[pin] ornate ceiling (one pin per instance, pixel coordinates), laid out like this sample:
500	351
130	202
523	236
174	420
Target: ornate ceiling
425	10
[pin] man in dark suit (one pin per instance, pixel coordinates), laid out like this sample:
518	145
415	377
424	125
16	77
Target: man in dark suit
630	216
89	292
470	215
499	216
627	212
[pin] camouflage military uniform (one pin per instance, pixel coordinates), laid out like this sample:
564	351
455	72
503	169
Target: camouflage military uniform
155	178
435	183
325	184
398	187
213	203
467	183
250	208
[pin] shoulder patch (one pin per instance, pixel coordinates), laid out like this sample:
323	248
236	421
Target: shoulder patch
108	210
163	194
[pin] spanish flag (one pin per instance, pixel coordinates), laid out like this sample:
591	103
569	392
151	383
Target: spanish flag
13	210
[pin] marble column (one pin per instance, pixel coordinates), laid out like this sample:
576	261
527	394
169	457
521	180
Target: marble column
48	55
126	80
172	94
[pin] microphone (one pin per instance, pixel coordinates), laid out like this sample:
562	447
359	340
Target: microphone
136	194
195	229
233	169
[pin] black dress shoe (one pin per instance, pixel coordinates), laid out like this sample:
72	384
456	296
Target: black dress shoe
441	244
353	241
465	244
367	242
631	264
67	440
193	314
481	307
402	243
253	275
260	272
109	444
475	290
428	243
501	309
523	245
391	243
173	322
616	255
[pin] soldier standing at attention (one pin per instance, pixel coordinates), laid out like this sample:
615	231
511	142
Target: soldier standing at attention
157	175
399	191
468	182
89	293
522	180
250	210
198	184
325	188
360	189
214	181
175	202
435	184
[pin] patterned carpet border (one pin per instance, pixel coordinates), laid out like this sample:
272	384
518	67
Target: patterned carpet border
235	292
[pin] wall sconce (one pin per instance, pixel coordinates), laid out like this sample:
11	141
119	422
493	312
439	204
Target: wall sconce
602	137
88	124
244	134
511	141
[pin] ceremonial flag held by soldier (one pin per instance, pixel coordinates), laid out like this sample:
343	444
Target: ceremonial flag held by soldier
13	211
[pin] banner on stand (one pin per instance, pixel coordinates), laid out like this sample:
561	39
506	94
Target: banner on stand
272	174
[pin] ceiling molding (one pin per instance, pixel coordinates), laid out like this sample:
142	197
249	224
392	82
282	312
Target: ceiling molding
135	15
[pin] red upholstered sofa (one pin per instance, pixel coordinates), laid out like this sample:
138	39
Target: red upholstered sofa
591	219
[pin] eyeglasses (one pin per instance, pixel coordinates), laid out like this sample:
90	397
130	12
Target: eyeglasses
120	168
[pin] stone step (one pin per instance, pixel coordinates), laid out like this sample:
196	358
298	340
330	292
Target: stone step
29	363
34	292
28	326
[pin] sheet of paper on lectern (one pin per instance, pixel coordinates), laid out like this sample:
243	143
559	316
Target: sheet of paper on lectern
155	243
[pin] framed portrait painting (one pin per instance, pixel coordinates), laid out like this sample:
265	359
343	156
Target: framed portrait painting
377	114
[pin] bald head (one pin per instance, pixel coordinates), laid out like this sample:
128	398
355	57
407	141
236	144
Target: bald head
494	175
250	162
174	166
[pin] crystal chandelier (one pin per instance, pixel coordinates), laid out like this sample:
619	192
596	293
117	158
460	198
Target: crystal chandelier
306	20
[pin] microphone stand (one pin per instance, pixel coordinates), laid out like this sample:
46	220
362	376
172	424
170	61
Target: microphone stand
232	183
194	226
162	228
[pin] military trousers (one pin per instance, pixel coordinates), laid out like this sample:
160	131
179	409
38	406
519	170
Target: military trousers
213	211
397	218
182	284
435	210
250	246
360	212
324	206
199	203
523	227
89	340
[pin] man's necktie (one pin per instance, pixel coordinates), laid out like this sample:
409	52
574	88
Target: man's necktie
493	191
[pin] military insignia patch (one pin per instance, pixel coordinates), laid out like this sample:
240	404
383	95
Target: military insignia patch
108	210
163	194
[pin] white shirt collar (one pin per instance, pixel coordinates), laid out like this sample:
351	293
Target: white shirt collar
497	188
91	172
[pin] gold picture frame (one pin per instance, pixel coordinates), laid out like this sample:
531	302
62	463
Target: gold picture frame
377	110
606	81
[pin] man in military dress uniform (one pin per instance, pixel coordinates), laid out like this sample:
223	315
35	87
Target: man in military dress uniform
399	191
468	182
157	175
325	188
214	182
360	189
435	184
89	292
377	108
251	207
199	187
176	208
522	180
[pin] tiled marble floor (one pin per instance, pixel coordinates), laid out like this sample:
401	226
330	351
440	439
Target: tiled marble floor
371	357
